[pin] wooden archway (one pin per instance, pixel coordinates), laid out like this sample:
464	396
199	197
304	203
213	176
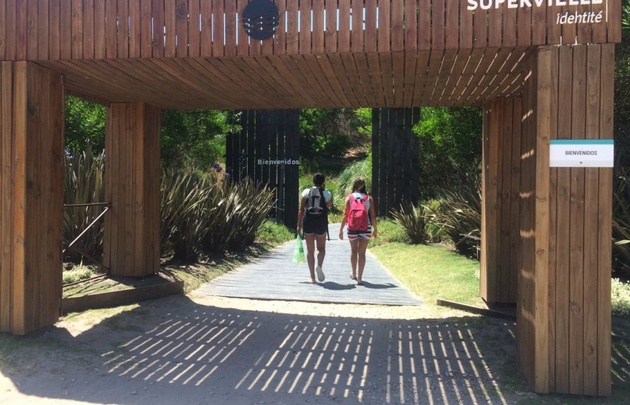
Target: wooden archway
541	70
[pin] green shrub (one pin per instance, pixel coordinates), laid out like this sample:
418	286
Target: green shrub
621	225
274	234
361	168
77	273
235	211
183	220
620	294
459	214
416	222
83	184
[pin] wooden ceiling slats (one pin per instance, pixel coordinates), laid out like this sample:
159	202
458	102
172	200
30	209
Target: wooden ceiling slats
398	77
388	78
345	62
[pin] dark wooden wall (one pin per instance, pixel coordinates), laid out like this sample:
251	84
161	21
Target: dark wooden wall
395	158
267	151
131	241
31	196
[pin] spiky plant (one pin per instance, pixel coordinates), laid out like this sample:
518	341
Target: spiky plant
83	185
237	211
184	213
460	215
416	221
621	224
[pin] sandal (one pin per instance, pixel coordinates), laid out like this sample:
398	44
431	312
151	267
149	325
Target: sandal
353	277
360	282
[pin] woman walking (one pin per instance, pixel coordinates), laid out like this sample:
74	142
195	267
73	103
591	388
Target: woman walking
360	216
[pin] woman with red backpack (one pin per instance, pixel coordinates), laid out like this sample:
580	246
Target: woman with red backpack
360	216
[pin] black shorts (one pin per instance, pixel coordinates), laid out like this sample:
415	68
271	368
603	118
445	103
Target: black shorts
316	226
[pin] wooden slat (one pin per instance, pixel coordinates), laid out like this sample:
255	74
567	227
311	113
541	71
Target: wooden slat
541	225
330	37
181	27
4	36
135	36
306	27
397	33
18	193
218	48
504	227
388	78
21	31
111	30
146	30
604	213
43	30
123	41
515	188
194	30
230	28
343	26
357	26
6	207
88	29
495	31
206	28
480	29
576	282
292	37
318	35
591	206
524	28
100	36
384	26
452	26
438	29
77	29
371	38
509	27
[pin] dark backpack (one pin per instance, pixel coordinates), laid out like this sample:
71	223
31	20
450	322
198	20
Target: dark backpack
315	202
358	215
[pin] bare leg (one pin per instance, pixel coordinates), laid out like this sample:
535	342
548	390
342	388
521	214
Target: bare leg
310	254
354	249
362	245
321	248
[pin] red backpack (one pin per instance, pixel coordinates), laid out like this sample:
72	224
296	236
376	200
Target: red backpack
358	215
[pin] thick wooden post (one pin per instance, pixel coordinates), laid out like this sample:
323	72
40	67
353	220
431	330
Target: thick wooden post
132	185
31	196
564	318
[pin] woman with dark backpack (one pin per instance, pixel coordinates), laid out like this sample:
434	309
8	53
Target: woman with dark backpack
360	216
313	220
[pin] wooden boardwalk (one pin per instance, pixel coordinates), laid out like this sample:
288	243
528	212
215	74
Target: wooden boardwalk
274	276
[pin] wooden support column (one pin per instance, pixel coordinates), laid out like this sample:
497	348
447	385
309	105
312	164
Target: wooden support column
132	186
31	196
500	205
564	308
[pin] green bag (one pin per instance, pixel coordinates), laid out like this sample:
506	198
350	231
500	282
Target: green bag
298	251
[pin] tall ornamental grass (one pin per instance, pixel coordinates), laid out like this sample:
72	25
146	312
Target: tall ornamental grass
621	225
203	215
459	214
83	184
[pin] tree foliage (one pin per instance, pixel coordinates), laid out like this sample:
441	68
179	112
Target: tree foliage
194	139
330	133
622	101
85	125
450	147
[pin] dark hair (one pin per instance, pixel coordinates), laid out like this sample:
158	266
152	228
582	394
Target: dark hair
358	186
318	179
